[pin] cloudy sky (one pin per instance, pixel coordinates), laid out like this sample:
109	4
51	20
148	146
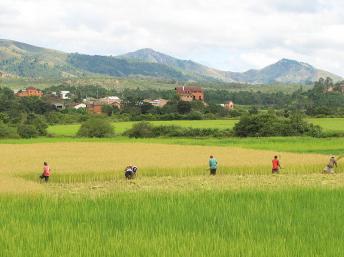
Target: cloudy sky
225	34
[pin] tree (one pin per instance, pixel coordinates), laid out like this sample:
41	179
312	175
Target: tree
184	107
269	124
108	109
6	131
27	131
146	107
38	122
96	127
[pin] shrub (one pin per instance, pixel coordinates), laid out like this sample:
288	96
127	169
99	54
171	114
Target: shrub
7	131
184	107
39	124
140	129
27	131
146	130
268	124
195	116
96	127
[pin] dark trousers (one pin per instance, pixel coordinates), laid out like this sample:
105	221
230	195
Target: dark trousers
46	178
213	172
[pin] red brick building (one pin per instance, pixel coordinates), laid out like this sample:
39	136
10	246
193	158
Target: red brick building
191	93
95	108
30	91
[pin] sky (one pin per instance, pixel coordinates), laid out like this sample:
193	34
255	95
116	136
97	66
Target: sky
225	34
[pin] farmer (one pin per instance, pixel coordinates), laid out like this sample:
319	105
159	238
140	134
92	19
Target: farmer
46	172
275	165
212	165
130	171
329	169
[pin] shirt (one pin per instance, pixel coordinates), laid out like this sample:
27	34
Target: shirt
213	163
275	164
332	163
46	171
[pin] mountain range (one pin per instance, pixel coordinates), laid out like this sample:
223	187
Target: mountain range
23	60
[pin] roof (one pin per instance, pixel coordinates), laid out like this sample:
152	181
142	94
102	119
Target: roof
31	88
192	89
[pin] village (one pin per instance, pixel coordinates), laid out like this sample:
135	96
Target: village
61	100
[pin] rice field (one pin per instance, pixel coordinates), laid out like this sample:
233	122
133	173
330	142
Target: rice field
247	223
173	207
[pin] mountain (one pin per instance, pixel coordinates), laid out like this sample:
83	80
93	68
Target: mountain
188	67
284	71
23	60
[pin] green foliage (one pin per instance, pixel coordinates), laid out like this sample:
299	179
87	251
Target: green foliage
269	124
184	107
108	109
147	130
27	131
7	132
96	127
38	122
140	129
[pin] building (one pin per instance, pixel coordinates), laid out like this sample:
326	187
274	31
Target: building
59	106
65	95
229	105
95	107
337	88
80	106
111	100
191	93
157	103
30	91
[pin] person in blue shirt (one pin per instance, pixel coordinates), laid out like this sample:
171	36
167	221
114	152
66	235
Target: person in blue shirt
212	165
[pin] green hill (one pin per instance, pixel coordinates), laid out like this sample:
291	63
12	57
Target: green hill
22	60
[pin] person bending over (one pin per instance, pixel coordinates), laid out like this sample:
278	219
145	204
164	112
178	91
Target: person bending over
130	172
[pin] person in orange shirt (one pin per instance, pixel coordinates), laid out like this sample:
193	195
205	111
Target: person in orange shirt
46	172
275	165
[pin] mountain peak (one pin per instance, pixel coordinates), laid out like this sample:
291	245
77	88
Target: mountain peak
147	55
292	62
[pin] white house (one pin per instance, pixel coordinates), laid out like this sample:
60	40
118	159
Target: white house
65	95
80	106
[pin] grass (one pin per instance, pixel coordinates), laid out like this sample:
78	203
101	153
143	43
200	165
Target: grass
247	223
120	127
328	124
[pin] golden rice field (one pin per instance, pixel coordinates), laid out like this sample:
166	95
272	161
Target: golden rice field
85	165
173	208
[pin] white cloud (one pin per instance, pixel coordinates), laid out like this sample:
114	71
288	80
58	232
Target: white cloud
227	34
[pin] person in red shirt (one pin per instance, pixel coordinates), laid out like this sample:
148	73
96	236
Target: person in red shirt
275	165
46	172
